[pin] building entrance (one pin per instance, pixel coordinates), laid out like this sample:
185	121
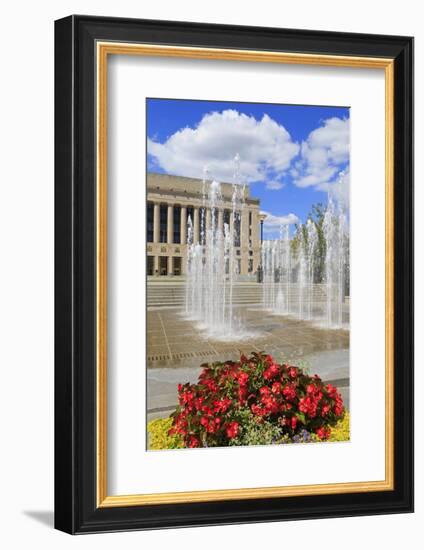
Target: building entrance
163	265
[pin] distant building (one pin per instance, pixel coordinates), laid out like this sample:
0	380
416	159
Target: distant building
170	202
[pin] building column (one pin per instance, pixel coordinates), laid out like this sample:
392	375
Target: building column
221	220
244	240
183	225
170	225
196	225
184	261
256	241
156	222
156	265
170	265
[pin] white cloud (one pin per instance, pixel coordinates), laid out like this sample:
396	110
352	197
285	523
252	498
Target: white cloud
265	148
274	185
340	188
323	154
273	223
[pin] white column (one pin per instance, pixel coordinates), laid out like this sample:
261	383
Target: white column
221	220
244	240
170	264
256	239
156	222
232	227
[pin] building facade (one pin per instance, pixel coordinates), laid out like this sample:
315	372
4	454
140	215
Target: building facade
172	200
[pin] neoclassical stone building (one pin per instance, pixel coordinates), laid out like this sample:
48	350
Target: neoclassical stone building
171	200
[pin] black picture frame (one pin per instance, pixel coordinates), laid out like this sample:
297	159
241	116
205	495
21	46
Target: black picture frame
76	510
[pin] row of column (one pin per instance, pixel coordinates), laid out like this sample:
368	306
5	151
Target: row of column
244	236
170	223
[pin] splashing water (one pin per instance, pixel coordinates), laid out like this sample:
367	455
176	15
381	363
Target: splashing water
289	286
212	264
335	235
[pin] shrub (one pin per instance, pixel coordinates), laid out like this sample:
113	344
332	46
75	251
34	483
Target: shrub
341	431
254	401
159	438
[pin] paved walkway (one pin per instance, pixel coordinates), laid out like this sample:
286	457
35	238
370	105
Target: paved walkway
177	348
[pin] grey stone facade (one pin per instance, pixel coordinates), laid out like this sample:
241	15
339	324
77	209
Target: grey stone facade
170	202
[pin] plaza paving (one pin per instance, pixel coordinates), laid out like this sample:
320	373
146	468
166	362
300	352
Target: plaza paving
176	348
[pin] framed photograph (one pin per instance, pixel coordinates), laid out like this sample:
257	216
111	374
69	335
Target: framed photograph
234	274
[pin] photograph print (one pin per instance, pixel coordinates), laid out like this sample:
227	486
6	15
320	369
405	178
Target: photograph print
247	267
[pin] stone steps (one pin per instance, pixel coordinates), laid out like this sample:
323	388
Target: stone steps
172	294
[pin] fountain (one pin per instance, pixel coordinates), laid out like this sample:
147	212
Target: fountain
212	265
288	266
289	269
335	235
310	247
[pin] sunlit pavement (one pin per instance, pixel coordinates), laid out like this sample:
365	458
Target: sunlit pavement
176	348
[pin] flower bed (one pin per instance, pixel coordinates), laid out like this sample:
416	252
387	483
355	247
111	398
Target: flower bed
254	401
159	438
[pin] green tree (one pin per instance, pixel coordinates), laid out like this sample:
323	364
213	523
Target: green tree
316	215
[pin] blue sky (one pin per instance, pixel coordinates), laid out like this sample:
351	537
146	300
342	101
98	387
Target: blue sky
290	155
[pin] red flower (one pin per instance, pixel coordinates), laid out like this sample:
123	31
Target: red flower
292	371
210	384
242	394
211	425
308	406
323	433
221	405
289	391
232	429
258	410
276	387
198	402
332	391
271	405
280	394
325	410
207	410
243	378
338	407
204	421
193	441
271	372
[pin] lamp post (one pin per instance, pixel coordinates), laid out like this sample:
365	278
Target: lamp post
262	218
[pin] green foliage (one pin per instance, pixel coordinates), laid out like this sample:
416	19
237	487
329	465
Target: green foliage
159	438
255	431
341	431
254	401
317	217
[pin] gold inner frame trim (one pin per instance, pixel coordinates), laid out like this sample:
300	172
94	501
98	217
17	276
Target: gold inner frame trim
103	50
